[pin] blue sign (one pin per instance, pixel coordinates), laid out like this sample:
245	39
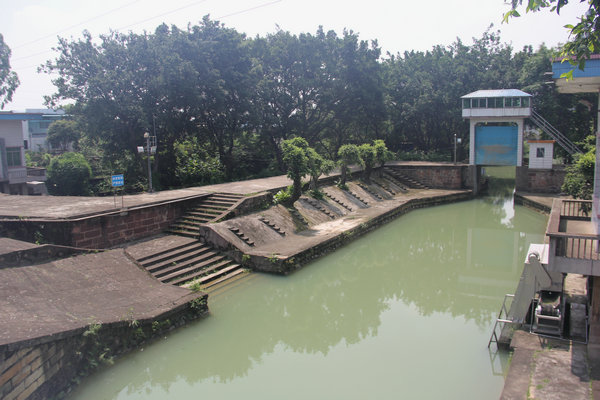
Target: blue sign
117	180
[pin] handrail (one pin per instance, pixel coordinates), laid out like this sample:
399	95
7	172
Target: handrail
561	139
503	319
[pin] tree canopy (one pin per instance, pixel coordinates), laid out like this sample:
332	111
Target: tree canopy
584	36
8	79
222	104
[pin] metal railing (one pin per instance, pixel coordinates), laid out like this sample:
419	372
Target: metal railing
561	139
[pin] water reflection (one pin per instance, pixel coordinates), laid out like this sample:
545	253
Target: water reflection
390	294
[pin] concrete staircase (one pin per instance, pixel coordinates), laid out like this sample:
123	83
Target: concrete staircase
210	208
190	261
405	180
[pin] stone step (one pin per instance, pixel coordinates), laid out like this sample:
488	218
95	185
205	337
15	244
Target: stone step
224	200
190	245
204	279
165	262
231	275
207	278
200	259
193	219
182	226
217	204
188	234
192	265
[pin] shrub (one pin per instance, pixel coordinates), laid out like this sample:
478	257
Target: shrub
68	175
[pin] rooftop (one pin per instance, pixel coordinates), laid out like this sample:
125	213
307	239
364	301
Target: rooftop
496	93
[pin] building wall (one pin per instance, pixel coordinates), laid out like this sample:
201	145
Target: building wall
544	162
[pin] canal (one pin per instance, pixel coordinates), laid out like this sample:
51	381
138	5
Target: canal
403	312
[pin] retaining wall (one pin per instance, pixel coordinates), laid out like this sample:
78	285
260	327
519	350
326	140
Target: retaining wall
99	231
445	176
49	367
540	180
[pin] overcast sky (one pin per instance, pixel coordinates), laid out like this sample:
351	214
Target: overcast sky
31	27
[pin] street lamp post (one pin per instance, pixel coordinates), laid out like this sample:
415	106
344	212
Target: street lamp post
149	150
147	137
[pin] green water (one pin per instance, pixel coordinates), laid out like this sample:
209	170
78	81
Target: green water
404	312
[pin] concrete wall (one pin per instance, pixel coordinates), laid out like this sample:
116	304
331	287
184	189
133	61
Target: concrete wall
539	180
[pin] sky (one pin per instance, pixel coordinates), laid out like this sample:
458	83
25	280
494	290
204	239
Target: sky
31	27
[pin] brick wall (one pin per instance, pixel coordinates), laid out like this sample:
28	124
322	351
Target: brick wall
540	180
112	229
24	373
99	231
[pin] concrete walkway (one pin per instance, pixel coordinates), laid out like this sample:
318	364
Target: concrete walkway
52	299
547	369
57	207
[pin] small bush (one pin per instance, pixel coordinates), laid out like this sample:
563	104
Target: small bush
68	175
283	196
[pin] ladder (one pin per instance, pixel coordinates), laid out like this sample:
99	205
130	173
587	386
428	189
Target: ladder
501	320
561	139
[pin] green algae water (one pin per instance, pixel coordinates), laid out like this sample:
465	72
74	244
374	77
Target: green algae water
403	312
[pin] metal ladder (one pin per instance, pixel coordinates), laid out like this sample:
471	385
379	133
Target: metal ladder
501	320
561	139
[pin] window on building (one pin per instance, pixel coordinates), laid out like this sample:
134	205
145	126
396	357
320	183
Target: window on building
525	102
13	156
466	103
540	152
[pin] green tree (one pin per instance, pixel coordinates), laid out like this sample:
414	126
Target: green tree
63	132
579	181
68	175
195	166
368	157
8	79
382	154
348	154
296	160
317	166
584	36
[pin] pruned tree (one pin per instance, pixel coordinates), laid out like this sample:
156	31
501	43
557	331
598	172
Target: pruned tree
347	154
296	161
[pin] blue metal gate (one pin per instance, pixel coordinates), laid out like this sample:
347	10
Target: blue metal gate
496	145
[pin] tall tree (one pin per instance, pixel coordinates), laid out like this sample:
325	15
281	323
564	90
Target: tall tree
584	36
8	79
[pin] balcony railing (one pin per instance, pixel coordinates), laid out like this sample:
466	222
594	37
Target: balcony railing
573	241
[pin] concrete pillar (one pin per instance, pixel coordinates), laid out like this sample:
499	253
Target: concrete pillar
595	311
520	130
472	142
475	176
596	195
